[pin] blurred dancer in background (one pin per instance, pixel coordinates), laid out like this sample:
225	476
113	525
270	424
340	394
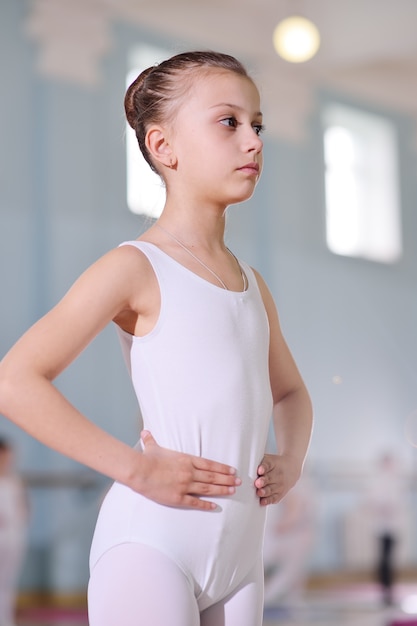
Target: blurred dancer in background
13	529
289	538
387	505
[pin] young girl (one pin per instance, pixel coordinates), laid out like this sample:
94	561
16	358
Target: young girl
179	536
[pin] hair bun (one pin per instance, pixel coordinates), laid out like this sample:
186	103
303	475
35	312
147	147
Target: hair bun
131	105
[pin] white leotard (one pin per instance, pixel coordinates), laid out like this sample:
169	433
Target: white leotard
202	381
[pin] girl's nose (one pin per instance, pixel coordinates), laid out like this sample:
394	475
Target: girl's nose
254	142
259	143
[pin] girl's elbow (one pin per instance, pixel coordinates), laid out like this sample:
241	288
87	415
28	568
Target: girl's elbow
13	384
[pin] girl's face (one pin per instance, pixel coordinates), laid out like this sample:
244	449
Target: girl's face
216	138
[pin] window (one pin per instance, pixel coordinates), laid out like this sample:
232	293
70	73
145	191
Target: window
361	184
145	189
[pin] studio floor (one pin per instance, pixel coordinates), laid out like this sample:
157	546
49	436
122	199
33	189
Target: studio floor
348	605
337	605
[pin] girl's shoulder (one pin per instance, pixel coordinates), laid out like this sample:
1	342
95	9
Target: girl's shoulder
127	256
113	280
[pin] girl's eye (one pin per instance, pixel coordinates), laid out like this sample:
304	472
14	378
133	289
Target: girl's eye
231	122
258	128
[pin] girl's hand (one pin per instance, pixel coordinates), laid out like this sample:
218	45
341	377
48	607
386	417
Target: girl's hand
177	479
277	474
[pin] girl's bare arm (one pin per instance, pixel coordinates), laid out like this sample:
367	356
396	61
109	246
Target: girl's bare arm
117	282
292	414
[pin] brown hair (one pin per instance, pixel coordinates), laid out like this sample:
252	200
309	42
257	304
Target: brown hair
151	98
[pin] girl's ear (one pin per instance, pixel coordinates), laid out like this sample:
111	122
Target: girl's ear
159	147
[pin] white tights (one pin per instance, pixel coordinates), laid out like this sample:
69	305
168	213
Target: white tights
136	585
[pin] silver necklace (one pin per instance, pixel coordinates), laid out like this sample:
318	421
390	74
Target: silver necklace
216	276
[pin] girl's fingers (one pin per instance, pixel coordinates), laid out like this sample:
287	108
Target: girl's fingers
196	503
213	466
191	478
216	479
207	489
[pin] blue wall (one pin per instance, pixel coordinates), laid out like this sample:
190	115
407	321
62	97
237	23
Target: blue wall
63	204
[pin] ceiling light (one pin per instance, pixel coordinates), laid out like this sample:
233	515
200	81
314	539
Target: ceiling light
296	39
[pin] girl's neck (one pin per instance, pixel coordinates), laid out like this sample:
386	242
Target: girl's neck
199	228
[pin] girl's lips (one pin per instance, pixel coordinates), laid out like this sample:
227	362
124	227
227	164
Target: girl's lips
250	167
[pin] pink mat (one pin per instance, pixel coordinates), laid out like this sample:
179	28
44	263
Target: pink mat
77	616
